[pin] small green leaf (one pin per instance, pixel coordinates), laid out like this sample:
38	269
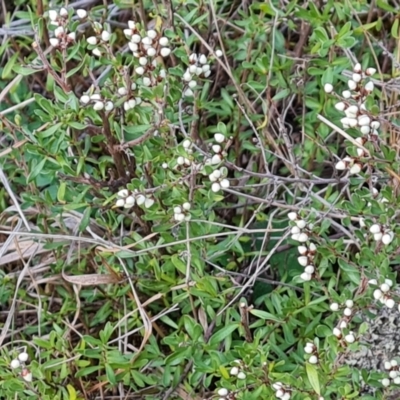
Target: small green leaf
266	316
312	374
219	336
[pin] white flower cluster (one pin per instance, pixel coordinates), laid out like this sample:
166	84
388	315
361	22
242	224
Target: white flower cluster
343	323
20	362
198	67
356	114
237	371
383	293
280	391
311	349
347	312
394	374
98	102
218	180
59	19
181	213
128	199
381	234
297	234
132	102
306	260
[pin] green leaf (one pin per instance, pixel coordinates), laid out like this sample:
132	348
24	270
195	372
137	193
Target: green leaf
312	374
85	219
8	68
36	170
266	316
219	336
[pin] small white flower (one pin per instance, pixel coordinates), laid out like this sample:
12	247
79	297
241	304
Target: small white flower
179	217
357	68
26	375
151	52
370	71
378	236
148	202
186	143
92	40
120	203
165	51
294	230
54	42
292	216
349	303
343	325
351	84
389	303
15	364
58	31
387	365
309	269
180	160
241	375
387	238
187	76
152	34
313	359
396	380
346	94
306	277
128	32
192	69
132	103
96	52
337	332
301	223
23	357
85	99
98	106
303	237
136	39
377	294
347	312
312	246
373	282
186	206
340	106
192	84
105	36
393	363
369	87
303	261
223	392
385	287
199	71
63	12
53	15
216	159
219	53
340	165
163	41
365	129
224	183
188	93
109	106
129	201
132	24
364	120
81	13
146	81
357	77
234	371
350	338
72	36
215	187
202	59
122	91
295	236
328	88
309	349
334	306
133	47
375	124
216	148
376	228
139	70
385	382
389	282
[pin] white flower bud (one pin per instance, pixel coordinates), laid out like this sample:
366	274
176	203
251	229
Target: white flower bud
337	332
376	228
152	34
151	52
306	277
385	382
132	24
364	120
216	159
387	238
370	71
396	380
309	269
148	202
109	106
81	13
369	87
292	216
179	217
120	203
139	70
98	106
241	375
347	312
301	223
373	282
346	94
385	287
105	36
26	375
54	42
216	148
234	371
165	51
389	303
23	357
128	32
188	93
309	349
294	230
303	261
146	81
377	294
187	76
224	183
375	124
378	236
163	41
328	88
352	85
349	303
350	338
357	77
357	68
303	237
202	59
15	364
334	306
122	91
186	206
313	359
123	193
365	129
132	103
92	40
53	15
59	31
343	325
223	392
215	187
312	246
143	61
393	363
340	165
340	106
96	52
129	201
